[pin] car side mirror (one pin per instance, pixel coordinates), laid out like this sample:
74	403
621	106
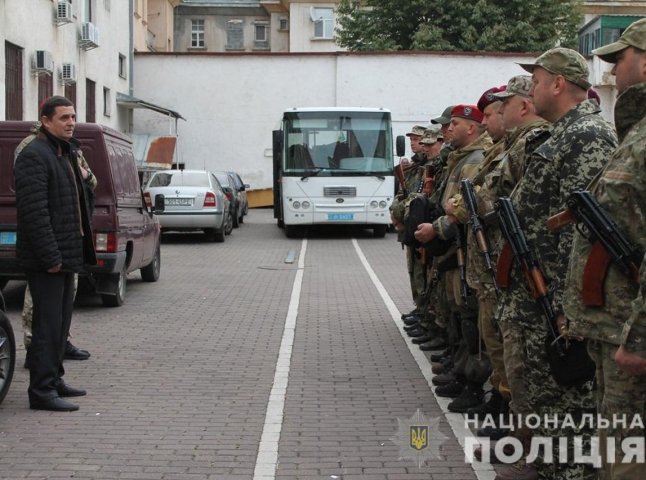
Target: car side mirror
246	186
160	203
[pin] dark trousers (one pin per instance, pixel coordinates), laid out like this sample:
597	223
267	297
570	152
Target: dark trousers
53	297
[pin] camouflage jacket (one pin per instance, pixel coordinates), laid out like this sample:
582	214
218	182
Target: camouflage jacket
462	163
578	147
414	179
621	191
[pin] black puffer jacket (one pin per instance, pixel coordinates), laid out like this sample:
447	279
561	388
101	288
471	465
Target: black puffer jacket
51	207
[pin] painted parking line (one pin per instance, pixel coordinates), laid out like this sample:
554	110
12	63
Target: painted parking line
483	471
267	459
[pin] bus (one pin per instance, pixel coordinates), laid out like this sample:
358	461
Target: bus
333	166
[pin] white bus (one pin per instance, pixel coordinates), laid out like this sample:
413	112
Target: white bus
333	166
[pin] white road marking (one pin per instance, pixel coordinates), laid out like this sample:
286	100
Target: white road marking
483	471
267	459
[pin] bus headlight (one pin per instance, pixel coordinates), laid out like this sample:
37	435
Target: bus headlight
383	204
305	205
374	204
296	204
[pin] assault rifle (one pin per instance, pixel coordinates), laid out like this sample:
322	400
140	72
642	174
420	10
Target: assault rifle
462	265
399	173
517	243
477	228
609	244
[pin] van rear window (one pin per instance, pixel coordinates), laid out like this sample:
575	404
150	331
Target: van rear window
179	178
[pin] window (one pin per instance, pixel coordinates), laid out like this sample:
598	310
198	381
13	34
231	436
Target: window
197	33
45	89
88	10
283	24
323	19
123	69
13	78
106	4
107	102
260	36
235	37
90	101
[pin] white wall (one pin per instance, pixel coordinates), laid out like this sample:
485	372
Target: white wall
32	28
232	103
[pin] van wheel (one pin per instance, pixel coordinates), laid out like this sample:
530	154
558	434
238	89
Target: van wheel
235	219
150	273
7	355
379	231
116	300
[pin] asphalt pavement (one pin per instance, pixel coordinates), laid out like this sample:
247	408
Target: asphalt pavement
238	365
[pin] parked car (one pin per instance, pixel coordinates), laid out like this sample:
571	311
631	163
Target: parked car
194	200
241	189
229	187
7	351
126	232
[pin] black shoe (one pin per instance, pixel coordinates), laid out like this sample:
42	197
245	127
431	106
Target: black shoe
412	320
409	314
438	343
443	379
64	390
418	332
429	346
451	390
412	326
422	339
75	353
55	404
469	398
492	403
439	357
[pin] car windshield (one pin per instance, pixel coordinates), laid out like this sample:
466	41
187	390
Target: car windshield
180	178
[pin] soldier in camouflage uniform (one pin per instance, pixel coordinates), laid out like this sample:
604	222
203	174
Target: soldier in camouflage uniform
579	144
71	351
616	332
413	175
470	142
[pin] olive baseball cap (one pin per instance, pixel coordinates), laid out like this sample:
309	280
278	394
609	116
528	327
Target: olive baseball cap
444	118
518	85
416	130
633	36
563	61
431	136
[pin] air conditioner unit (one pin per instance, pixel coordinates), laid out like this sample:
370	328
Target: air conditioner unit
63	12
89	37
68	73
42	63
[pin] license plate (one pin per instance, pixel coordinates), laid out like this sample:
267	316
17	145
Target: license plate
185	202
7	238
340	216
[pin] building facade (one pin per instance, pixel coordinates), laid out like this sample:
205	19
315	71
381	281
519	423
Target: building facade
255	26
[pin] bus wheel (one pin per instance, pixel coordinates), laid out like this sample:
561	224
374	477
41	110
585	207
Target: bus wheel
292	231
379	231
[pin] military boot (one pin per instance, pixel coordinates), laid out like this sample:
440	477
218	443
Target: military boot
469	398
450	390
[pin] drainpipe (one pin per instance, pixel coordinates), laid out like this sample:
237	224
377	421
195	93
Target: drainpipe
131	46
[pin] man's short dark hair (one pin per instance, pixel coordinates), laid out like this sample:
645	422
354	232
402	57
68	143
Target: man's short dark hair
48	107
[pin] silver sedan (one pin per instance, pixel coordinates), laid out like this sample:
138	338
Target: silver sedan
194	200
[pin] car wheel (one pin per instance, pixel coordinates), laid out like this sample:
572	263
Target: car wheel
116	300
379	231
219	236
7	355
228	224
235	219
150	273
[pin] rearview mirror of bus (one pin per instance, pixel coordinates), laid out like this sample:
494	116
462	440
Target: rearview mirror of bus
400	145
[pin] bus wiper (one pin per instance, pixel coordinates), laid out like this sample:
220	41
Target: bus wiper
313	171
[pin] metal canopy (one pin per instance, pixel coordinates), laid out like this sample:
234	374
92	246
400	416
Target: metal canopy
129	101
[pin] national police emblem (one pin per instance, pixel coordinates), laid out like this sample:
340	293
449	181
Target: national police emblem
419	438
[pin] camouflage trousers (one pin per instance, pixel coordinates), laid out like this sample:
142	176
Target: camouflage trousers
617	394
492	339
534	390
416	273
28	312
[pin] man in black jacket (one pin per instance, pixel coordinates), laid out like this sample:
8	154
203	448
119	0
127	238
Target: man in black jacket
54	241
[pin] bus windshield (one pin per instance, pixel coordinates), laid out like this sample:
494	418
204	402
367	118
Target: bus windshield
337	143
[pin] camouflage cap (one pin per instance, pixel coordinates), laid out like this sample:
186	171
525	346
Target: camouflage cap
518	85
431	136
416	130
563	61
445	118
633	36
